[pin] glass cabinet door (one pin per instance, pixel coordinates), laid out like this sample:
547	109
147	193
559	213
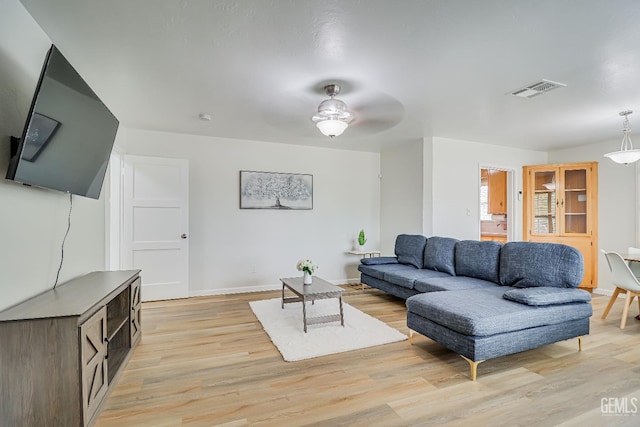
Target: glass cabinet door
574	201
545	203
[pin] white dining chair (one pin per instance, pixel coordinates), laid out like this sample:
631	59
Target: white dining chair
625	282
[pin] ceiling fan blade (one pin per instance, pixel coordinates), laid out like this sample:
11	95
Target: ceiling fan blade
379	106
371	126
289	110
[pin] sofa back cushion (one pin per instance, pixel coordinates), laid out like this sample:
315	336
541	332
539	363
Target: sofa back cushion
479	259
409	249
531	264
439	254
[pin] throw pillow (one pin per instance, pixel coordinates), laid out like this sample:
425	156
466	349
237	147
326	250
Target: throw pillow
541	296
379	260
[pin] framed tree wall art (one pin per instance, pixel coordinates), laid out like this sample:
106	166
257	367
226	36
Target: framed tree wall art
272	190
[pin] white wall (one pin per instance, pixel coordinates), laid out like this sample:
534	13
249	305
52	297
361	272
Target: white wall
228	244
616	201
427	187
456	183
401	193
33	221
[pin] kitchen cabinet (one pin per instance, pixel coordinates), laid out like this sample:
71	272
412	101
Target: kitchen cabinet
560	205
497	189
502	238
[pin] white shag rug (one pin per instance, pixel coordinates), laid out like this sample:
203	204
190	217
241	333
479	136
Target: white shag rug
285	328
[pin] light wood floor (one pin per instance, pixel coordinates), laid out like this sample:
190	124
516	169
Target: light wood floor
207	362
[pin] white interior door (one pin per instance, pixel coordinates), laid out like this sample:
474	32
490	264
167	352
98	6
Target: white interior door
156	224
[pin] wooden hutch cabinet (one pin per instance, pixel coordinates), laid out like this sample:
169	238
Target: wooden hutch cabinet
561	206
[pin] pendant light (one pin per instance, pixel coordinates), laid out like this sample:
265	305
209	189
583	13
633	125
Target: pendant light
626	154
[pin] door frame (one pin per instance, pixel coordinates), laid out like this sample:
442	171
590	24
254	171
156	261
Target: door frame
511	199
114	213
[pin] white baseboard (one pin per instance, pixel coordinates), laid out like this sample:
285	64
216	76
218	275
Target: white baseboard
607	292
238	290
258	288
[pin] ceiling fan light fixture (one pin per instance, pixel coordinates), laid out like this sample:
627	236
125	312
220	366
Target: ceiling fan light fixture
332	127
627	154
332	118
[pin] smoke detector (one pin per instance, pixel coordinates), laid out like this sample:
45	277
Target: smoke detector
537	88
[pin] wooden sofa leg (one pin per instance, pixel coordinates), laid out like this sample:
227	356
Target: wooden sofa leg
579	343
474	367
411	336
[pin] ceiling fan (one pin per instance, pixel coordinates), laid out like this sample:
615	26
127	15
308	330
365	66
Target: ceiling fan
363	112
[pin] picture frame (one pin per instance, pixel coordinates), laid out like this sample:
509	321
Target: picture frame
40	132
276	190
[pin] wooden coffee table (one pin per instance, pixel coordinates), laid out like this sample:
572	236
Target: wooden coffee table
319	289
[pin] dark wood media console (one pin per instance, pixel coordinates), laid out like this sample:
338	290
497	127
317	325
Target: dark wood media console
61	351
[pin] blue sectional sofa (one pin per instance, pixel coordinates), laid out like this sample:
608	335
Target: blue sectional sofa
483	299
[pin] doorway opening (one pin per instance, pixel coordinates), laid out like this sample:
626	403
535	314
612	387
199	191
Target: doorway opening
496	204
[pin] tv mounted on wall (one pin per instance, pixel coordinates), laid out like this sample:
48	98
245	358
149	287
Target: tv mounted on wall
68	136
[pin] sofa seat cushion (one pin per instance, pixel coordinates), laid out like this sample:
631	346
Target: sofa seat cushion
379	260
407	278
450	283
410	248
483	312
547	296
530	264
378	271
479	259
439	254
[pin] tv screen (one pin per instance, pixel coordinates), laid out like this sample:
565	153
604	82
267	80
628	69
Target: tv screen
68	136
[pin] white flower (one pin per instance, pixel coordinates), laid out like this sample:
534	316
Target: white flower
306	265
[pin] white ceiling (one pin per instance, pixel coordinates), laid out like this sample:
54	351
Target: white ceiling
409	69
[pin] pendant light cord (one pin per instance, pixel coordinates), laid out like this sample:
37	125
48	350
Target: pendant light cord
64	240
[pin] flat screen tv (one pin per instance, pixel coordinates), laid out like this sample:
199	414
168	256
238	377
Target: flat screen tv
68	136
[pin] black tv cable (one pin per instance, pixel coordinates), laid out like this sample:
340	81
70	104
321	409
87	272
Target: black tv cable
64	239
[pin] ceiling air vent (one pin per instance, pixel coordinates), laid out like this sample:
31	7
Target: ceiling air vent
537	88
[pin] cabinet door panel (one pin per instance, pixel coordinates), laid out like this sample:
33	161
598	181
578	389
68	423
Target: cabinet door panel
584	246
497	181
544	203
93	354
136	314
575	201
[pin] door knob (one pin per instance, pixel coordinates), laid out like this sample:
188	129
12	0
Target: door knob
183	236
